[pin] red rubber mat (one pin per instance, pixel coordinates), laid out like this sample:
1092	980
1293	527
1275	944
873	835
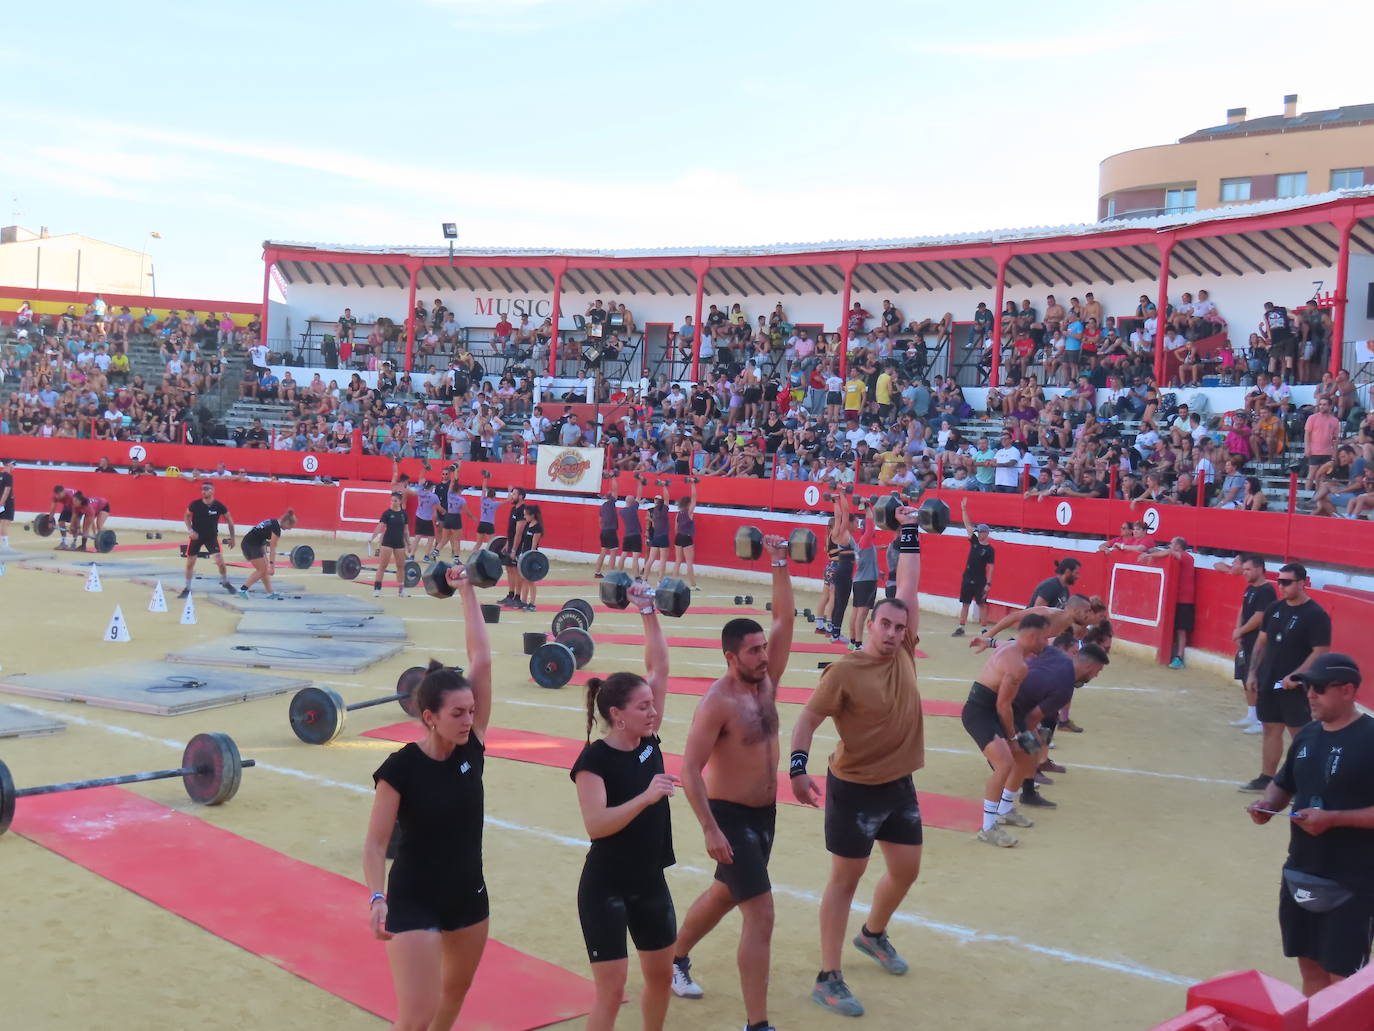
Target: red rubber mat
944	811
795	695
298	917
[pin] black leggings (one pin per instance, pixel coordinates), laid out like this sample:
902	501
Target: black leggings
842	583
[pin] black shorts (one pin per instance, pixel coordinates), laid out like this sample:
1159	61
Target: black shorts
252	550
1338	939
424	527
426	913
394	543
1283	344
973	591
752	395
1282	706
609	538
607	907
864	594
856	815
682	540
65	516
980	716
1185	616
1317	461
633	546
452	521
7	513
659	542
832	397
749	830
201	546
484	528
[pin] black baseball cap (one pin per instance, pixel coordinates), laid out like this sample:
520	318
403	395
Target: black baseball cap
1331	668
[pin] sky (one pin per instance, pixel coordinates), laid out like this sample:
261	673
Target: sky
614	123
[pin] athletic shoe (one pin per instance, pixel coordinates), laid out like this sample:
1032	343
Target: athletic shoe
61	547
276	596
1175	663
1036	800
1257	786
1244	721
820	629
1015	818
243	592
683	985
1040	778
1071	727
855	646
602	576
376	592
1254	728
228	586
958	632
834	995
997	836
185	593
400	592
836	639
880	949
1050	766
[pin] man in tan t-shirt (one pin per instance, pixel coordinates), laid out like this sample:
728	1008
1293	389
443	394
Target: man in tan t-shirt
872	697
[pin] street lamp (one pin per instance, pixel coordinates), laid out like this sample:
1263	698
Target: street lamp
450	234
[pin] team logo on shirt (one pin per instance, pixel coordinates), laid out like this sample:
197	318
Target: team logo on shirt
568	467
644	755
465	767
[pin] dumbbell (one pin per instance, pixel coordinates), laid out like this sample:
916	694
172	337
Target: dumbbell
745	599
932	516
801	544
672	597
691	479
768	607
317	713
663	483
483	568
486	474
846	489
1030	744
152	536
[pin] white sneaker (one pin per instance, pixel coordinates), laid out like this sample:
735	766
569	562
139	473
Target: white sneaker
995	835
1244	721
683	985
1254	728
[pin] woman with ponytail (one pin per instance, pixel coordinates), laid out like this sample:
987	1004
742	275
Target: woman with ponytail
432	909
623	793
260	548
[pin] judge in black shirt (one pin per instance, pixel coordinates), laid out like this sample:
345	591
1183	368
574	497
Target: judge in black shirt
393	529
1326	902
1259	595
202	526
623	793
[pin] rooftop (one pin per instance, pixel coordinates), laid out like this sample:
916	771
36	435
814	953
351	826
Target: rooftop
1334	118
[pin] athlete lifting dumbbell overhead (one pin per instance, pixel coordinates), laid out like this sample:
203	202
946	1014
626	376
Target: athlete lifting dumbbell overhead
623	792
610	526
392	529
660	540
685	537
487	505
873	699
632	544
842	536
450	511
202	519
259	546
973	588
729	774
432	909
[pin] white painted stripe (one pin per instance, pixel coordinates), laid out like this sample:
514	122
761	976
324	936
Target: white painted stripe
958	931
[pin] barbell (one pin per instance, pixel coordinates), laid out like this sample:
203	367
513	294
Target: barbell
801	544
318	714
672	597
210	770
350	567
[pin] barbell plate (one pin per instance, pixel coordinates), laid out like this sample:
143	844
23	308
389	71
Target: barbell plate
497	546
580	643
566	618
406	686
302	556
801	545
317	715
615	589
218	768
748	543
484	568
673	597
348	566
7	798
43	525
583	606
105	541
534	566
552	665
413	573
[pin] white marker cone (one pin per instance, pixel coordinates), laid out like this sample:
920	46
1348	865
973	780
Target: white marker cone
188	614
118	630
93	581
159	601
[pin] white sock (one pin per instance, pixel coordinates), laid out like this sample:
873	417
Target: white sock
989	815
1007	804
1252	715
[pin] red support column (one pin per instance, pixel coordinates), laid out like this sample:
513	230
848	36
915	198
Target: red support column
1339	305
701	267
553	319
1161	307
849	267
410	313
994	374
266	286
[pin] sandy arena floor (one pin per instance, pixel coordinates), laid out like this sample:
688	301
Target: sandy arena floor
1148	877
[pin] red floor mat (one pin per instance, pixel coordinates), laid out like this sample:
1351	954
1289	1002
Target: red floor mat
944	811
298	917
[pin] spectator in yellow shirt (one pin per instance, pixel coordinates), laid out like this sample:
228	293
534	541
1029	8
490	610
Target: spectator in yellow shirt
890	460
883	393
854	390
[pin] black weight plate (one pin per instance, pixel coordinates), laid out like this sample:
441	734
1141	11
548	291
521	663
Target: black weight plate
43	525
6	798
497	544
317	715
413	573
583	606
302	556
407	684
569	617
580	643
105	541
552	665
349	566
218	769
534	566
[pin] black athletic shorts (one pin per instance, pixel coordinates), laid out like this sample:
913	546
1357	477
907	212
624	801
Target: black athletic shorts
609	905
681	540
856	815
424	527
1185	616
425	912
749	830
7	513
980	716
201	546
973	591
452	521
633	546
65	516
1338	939
659	542
252	550
484	528
609	539
864	594
1279	705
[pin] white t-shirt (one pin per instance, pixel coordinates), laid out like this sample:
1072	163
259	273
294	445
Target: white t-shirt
1146	441
1278	393
833	383
1174	342
258	354
1204	309
1007	476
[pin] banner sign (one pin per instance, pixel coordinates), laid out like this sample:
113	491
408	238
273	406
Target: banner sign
569	468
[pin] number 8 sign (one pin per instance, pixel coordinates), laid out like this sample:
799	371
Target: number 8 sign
310	463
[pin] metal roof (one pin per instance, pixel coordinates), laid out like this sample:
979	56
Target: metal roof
1332	118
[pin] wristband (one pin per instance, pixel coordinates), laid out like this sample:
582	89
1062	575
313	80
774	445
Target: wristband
780	564
797	765
910	540
648	610
377	896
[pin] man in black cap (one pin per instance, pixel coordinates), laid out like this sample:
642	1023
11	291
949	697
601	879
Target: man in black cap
1326	904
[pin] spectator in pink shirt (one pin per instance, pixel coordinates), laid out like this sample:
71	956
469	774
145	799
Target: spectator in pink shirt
1319	436
225	337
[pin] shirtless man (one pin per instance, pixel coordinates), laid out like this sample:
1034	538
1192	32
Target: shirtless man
990	721
735	731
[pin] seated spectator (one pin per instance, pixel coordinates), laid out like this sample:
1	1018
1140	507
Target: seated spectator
248	385
256	436
267	386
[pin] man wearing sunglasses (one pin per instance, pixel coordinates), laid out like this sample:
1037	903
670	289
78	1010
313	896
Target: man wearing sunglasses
1294	632
1326	904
